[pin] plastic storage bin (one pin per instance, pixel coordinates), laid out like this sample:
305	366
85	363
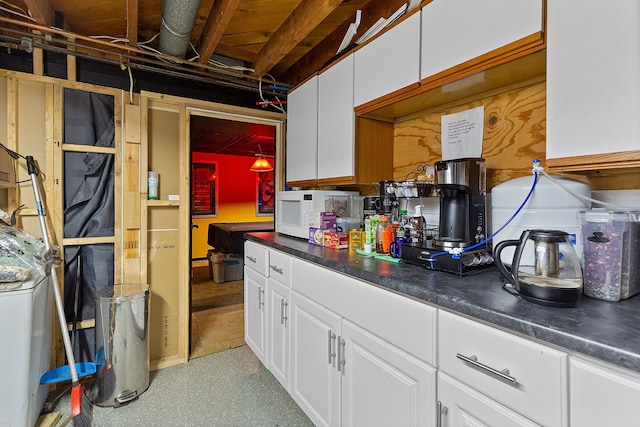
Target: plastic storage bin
611	254
121	343
216	266
233	269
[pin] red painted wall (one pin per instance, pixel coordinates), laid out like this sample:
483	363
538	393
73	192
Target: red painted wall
237	196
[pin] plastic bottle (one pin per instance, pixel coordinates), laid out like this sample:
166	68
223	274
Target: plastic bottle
403	229
153	186
370	231
417	226
384	235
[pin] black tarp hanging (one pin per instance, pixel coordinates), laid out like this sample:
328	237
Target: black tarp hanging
88	206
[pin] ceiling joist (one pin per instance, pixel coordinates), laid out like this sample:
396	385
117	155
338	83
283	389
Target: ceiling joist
132	22
217	22
307	16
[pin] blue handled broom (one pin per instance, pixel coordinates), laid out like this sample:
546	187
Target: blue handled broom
81	406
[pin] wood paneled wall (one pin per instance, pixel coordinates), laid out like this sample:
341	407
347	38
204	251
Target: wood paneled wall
514	135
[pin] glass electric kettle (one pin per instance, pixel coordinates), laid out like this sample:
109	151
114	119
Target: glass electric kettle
550	275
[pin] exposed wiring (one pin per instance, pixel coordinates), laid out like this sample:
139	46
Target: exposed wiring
22	13
149	41
130	86
277	105
585	198
113	39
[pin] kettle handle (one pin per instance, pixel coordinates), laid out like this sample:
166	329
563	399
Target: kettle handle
512	276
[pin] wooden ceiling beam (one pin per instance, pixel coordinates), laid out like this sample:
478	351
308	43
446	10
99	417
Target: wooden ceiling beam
307	16
132	22
219	17
42	11
326	49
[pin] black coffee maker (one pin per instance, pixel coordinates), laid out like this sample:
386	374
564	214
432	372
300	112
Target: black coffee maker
388	201
462	188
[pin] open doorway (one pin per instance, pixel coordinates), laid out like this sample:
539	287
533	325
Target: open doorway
226	194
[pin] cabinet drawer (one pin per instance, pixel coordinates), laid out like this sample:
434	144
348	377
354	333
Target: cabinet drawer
256	257
407	324
538	385
280	267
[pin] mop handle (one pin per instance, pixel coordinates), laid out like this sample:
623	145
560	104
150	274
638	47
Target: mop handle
33	171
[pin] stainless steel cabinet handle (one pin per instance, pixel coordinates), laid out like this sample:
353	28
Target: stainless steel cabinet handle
283	311
503	374
260	298
331	345
341	359
276	269
251	258
441	410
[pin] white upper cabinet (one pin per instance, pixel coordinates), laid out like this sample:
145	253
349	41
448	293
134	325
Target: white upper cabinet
455	31
336	121
593	77
302	132
389	62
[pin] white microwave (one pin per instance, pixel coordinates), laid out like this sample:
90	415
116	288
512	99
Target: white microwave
294	207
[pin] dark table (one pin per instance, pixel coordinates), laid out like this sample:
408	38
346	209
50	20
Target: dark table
228	237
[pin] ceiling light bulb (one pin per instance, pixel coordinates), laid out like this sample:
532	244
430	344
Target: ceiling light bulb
261	165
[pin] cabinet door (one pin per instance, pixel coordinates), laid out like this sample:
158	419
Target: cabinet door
302	132
455	31
278	322
336	121
461	406
389	62
382	385
593	83
255	286
315	381
601	396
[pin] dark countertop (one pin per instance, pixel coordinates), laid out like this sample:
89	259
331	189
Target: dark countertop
609	331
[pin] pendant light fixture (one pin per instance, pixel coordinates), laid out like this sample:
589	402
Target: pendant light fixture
261	164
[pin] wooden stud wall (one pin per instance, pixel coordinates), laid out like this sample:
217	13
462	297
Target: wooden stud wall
32	114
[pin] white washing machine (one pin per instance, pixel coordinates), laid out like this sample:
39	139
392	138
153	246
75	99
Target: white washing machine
26	314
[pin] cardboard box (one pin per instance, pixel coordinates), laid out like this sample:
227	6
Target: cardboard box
335	240
322	220
316	235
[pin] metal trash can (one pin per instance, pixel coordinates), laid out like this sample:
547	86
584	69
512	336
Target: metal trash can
122	362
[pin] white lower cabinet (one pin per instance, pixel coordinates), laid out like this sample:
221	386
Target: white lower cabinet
350	363
462	406
255	315
278	296
344	375
382	385
315	380
603	395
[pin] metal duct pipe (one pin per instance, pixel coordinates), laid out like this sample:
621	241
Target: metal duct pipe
178	19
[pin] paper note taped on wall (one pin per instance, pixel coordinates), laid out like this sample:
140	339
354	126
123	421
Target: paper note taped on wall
462	134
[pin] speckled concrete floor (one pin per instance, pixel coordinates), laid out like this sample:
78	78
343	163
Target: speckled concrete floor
230	388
